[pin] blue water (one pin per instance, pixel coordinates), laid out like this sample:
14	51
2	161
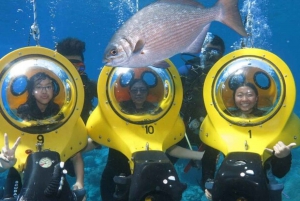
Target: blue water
277	30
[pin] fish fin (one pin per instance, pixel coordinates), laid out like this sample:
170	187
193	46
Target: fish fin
138	46
160	64
196	46
184	2
230	15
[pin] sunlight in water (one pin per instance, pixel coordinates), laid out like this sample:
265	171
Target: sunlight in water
256	25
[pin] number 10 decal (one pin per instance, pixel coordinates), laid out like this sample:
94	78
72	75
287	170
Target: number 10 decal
149	129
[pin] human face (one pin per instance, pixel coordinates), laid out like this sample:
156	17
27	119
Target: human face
245	99
43	92
138	92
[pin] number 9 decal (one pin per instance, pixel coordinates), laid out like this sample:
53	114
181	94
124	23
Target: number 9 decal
40	139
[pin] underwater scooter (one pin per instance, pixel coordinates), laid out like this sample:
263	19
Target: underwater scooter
141	135
48	142
243	140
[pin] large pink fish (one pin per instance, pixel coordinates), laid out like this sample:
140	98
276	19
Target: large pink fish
166	28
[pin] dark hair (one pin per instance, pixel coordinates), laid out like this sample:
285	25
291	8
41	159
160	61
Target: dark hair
38	77
217	41
247	84
138	80
71	46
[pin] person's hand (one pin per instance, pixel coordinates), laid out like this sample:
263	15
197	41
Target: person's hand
208	195
7	154
280	150
77	186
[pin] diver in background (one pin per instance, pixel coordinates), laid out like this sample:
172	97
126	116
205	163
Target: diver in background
73	49
193	111
193	75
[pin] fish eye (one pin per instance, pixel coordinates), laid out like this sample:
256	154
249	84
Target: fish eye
114	52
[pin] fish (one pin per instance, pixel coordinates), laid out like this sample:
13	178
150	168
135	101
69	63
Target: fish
166	28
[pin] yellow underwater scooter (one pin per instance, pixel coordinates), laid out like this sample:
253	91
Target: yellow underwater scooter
142	136
243	140
47	141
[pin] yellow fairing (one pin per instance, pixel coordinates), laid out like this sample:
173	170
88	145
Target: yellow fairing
276	97
158	129
63	132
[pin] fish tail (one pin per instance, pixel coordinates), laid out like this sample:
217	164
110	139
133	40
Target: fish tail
229	15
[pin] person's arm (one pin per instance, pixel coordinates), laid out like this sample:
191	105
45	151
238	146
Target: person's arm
79	171
281	160
281	166
7	155
180	152
91	145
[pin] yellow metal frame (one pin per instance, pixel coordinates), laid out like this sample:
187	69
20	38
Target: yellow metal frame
67	139
279	125
106	127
